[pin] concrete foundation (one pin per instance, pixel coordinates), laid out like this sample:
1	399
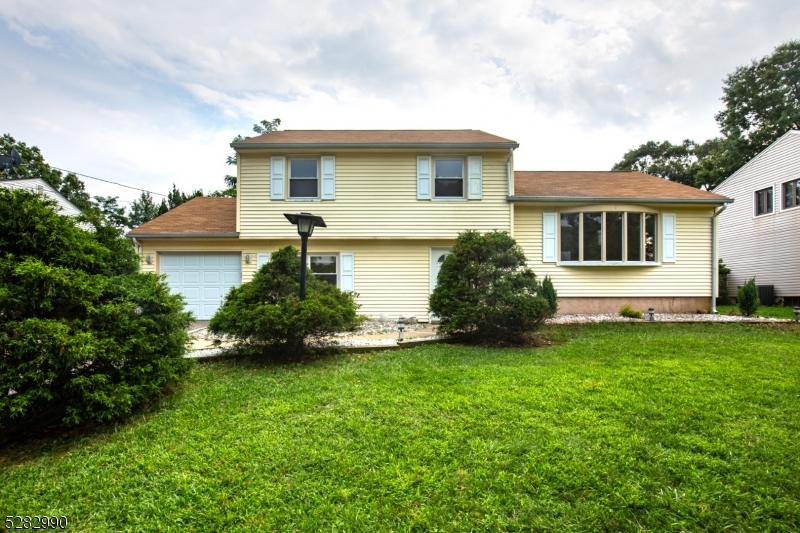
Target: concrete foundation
681	304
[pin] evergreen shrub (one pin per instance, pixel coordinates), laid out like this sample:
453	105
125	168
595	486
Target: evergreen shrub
550	294
485	291
747	298
83	335
266	314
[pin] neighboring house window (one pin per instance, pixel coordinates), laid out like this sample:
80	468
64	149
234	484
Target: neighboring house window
595	237
764	201
448	178
303	178
791	194
324	268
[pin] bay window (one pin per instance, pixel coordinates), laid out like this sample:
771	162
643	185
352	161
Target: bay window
608	237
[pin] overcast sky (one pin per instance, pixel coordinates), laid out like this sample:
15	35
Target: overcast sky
151	92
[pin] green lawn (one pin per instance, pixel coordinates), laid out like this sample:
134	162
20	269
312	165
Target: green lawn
763	311
617	427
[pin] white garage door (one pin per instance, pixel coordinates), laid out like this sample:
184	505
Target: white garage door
203	279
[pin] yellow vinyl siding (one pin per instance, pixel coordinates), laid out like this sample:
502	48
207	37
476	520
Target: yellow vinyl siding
376	197
690	275
391	276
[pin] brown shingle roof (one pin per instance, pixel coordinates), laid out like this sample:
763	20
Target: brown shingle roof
377	137
200	216
605	185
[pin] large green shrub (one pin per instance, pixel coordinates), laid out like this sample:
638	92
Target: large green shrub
267	314
747	298
83	335
485	290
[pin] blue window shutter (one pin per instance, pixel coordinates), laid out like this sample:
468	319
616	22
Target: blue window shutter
549	228
669	232
277	172
423	178
475	173
261	259
348	271
328	177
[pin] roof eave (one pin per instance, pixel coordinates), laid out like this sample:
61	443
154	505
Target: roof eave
319	146
582	199
181	235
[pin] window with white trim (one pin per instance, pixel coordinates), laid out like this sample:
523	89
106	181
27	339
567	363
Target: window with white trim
791	194
303	178
324	267
448	181
763	200
596	237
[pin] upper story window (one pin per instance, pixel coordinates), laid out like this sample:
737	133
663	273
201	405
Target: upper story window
791	194
764	203
448	178
598	237
303	178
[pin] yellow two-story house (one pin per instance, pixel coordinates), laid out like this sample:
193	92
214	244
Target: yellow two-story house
394	202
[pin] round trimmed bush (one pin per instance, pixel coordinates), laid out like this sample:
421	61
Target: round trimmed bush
267	315
485	291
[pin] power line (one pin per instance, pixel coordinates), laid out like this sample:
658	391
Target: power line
107	181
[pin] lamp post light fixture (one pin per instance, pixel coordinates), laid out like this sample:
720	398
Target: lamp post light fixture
652	313
401	327
797	313
305	222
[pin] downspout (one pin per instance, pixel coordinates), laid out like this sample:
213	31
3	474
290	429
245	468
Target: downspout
138	246
510	192
714	265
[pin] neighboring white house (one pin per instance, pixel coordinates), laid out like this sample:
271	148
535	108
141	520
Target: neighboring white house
759	234
39	186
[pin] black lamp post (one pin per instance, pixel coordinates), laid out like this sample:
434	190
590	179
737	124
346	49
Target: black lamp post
305	223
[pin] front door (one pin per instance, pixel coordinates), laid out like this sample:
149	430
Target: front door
437	258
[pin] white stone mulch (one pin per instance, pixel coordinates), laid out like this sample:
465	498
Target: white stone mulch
657	317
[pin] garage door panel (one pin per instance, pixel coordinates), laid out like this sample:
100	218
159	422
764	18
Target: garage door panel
231	279
170	261
191	293
212	293
203	279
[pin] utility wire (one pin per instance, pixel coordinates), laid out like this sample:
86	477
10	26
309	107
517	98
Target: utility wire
107	181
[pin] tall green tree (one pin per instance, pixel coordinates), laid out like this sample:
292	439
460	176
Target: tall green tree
112	211
262	128
143	209
762	102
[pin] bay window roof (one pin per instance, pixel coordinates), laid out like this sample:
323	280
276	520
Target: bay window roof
605	186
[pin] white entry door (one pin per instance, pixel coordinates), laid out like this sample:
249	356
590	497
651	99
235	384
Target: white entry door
437	257
203	279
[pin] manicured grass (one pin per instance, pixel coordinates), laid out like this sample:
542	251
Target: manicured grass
763	311
618	427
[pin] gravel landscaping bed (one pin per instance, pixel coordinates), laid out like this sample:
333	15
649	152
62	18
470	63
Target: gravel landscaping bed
657	317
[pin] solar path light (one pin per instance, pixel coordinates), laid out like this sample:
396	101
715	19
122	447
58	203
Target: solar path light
305	222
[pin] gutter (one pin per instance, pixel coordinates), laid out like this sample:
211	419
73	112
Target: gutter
180	235
714	262
582	199
329	146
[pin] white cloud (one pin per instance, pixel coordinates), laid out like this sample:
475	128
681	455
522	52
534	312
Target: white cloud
154	91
